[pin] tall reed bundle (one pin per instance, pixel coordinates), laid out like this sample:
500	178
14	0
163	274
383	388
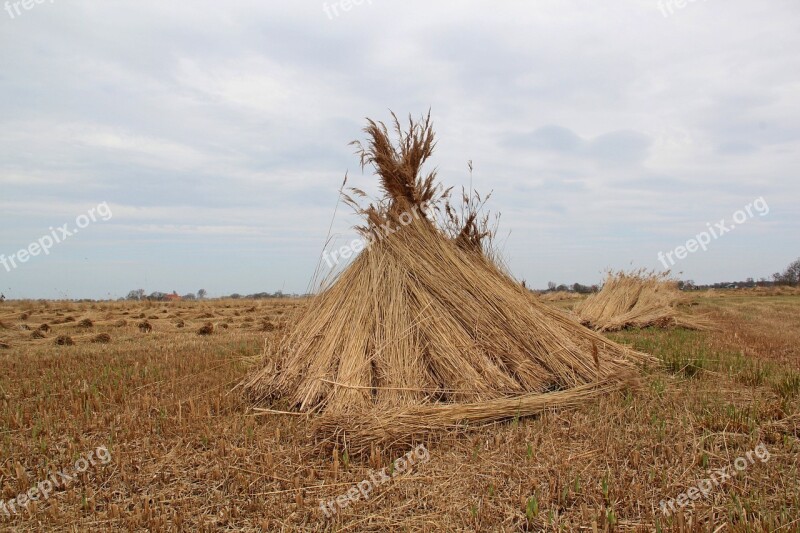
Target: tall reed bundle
424	320
636	300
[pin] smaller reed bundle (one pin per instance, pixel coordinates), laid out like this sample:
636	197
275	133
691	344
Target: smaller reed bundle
638	299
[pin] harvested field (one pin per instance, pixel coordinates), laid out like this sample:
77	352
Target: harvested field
240	293
190	455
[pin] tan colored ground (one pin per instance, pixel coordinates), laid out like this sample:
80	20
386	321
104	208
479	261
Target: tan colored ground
188	455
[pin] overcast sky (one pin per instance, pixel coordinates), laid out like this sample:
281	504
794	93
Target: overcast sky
217	133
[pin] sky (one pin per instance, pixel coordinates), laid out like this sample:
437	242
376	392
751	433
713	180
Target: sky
209	140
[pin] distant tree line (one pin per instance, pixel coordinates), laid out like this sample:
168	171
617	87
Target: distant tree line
575	287
141	295
157	296
262	295
791	276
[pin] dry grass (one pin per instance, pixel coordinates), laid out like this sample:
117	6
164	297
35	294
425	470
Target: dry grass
561	296
64	340
637	300
188	455
103	338
750	320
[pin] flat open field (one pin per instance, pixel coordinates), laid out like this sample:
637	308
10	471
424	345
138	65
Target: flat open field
186	453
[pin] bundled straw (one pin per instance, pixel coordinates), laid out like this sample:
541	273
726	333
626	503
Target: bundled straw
637	299
424	328
400	428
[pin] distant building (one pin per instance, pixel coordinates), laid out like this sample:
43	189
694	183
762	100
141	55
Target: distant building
173	297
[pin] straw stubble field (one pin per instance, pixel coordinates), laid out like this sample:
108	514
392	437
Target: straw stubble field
190	455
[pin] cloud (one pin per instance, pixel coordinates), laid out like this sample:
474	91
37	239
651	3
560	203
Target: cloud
550	138
219	132
623	147
736	148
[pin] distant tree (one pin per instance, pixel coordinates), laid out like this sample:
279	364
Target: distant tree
258	296
201	294
189	296
562	288
157	296
235	296
582	289
551	286
138	294
791	276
